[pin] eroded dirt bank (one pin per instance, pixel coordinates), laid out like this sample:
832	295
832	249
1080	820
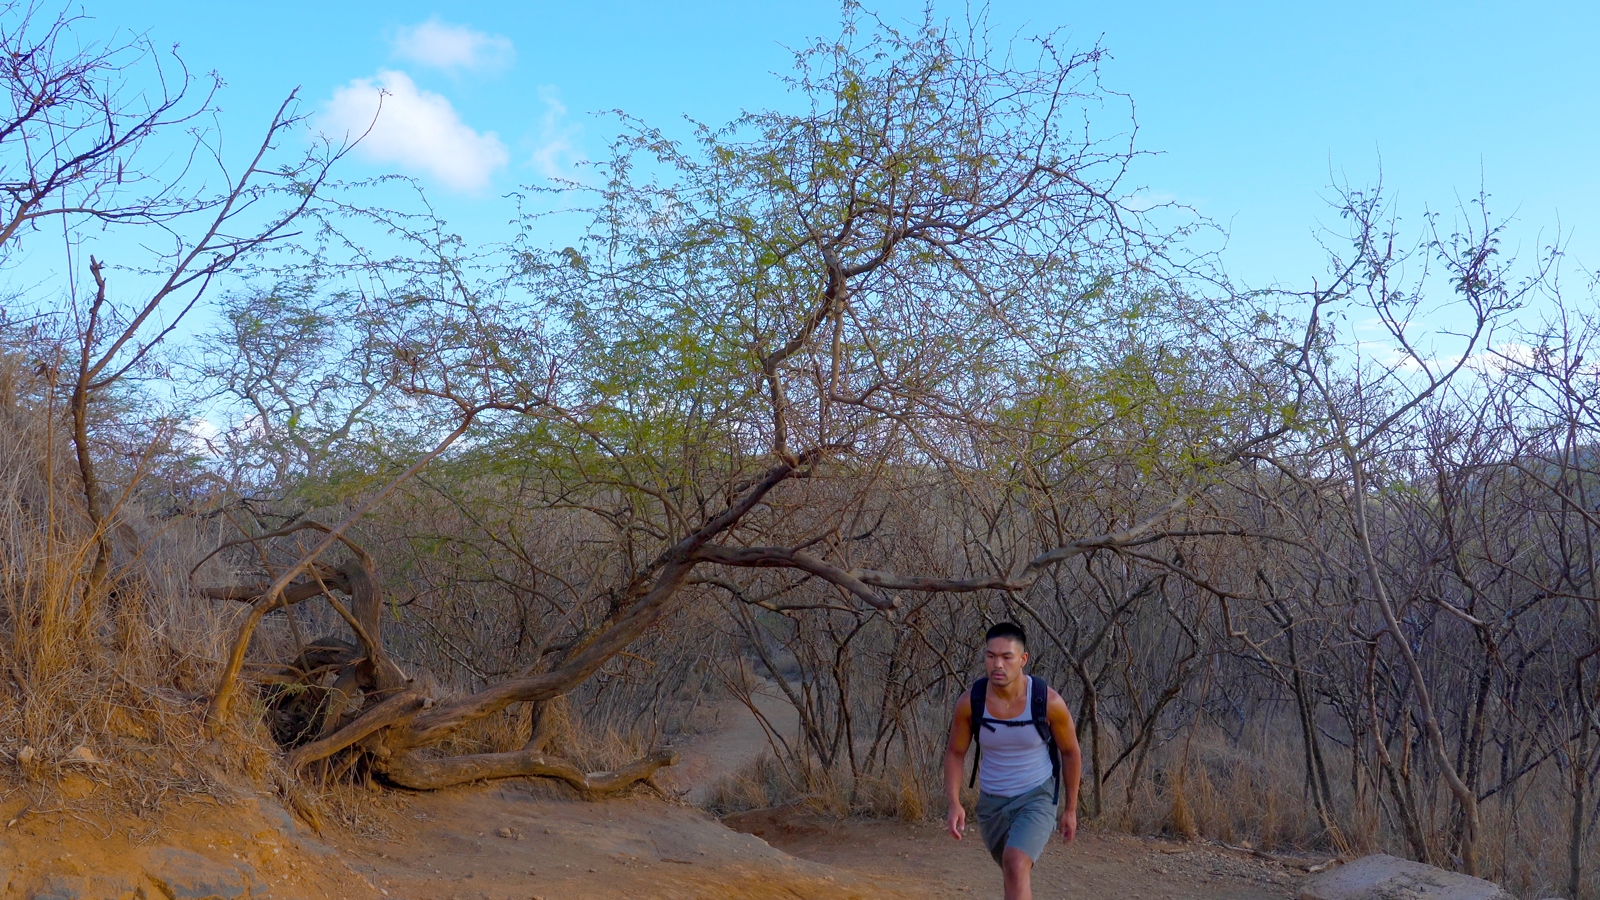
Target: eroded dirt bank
502	843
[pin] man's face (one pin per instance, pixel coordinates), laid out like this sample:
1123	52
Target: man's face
1003	659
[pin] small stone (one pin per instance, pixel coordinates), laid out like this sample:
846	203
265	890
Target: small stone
77	786
182	875
504	832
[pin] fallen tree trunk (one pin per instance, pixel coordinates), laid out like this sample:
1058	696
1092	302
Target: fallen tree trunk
432	774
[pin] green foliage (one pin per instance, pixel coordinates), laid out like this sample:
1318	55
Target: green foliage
925	265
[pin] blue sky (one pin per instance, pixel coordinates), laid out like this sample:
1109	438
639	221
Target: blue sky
1255	108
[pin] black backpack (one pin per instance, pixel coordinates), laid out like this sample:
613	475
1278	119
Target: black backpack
1038	717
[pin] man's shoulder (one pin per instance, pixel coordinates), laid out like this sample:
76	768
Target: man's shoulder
964	701
1055	699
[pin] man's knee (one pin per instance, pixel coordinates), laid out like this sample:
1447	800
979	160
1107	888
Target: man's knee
1015	862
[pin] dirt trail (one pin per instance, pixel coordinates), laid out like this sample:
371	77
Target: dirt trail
513	841
737	738
924	861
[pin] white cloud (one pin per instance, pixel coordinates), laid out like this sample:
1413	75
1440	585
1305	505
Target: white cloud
1504	357
558	153
1144	201
453	48
200	435
1375	323
417	130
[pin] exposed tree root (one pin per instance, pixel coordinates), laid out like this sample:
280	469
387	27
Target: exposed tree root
395	709
320	694
432	774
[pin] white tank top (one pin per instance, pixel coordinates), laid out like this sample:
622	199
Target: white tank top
1015	759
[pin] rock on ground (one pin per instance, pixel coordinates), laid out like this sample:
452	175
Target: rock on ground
168	873
182	875
1384	877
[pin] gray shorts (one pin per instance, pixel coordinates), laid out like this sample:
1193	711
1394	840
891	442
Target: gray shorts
1025	821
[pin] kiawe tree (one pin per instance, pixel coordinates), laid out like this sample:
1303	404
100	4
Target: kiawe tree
760	325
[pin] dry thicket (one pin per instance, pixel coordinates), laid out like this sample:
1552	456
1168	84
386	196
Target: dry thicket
1236	677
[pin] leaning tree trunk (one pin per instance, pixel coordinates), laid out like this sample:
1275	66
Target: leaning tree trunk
393	720
432	774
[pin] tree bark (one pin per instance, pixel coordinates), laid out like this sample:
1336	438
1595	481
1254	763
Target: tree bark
1575	842
432	774
1465	797
391	711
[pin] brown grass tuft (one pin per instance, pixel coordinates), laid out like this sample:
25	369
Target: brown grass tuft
102	687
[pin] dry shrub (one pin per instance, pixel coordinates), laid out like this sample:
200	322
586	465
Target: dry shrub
766	782
1227	791
902	792
502	732
912	796
758	784
106	683
356	807
1254	791
1526	838
593	740
1180	820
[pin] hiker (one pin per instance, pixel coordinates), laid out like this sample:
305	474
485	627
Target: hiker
1028	762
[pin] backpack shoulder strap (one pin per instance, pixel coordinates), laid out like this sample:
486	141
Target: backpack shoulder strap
1039	701
980	698
1039	707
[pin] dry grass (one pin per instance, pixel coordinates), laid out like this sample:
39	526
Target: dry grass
1229	792
1255	793
1225	792
102	699
902	793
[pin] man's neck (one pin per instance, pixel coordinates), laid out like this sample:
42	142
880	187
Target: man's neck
1011	690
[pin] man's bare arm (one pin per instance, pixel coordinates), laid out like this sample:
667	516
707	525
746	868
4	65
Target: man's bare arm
1066	735
955	754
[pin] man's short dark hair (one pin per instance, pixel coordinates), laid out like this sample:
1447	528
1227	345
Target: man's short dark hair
1007	630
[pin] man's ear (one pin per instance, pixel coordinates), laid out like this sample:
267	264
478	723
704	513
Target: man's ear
1024	658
